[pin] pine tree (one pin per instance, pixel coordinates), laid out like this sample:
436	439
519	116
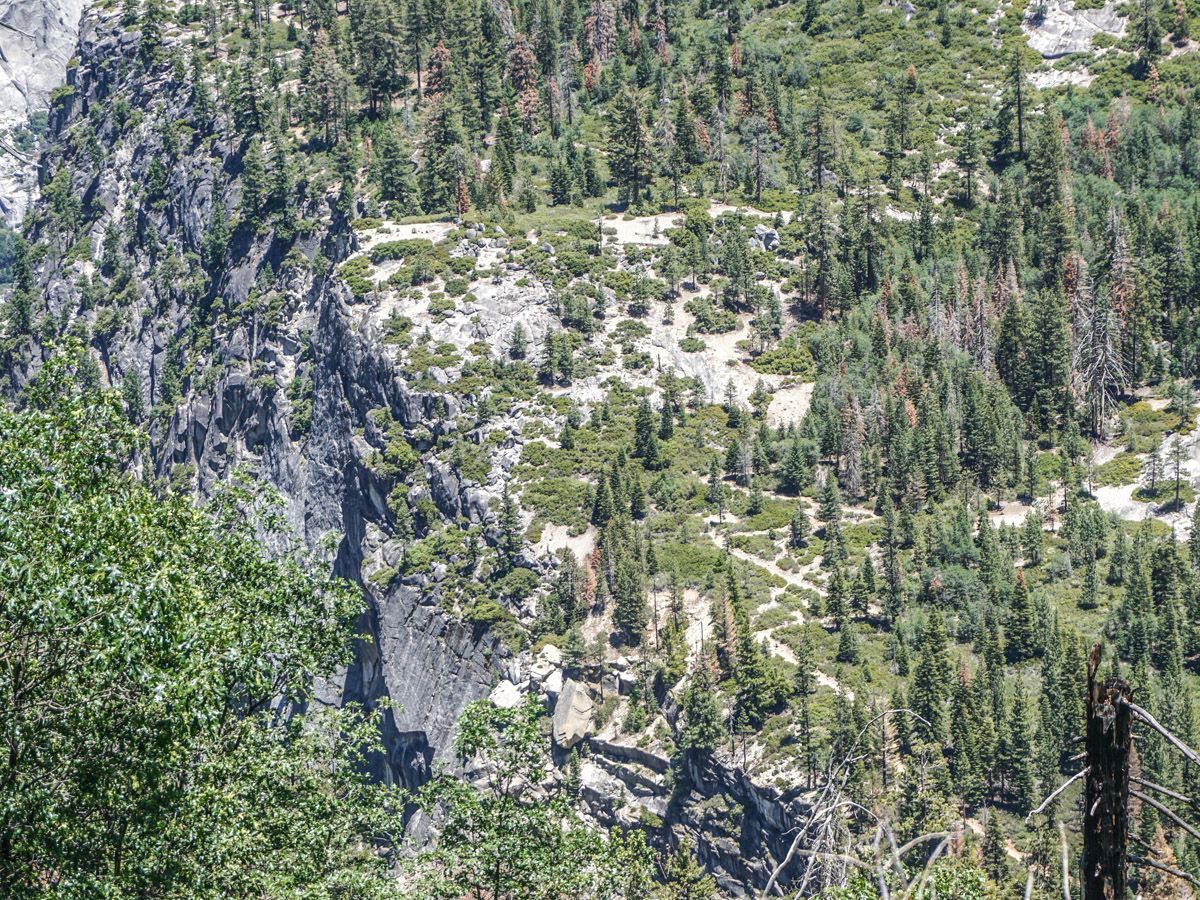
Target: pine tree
968	158
630	151
1088	596
717	491
645	436
445	165
511	536
518	345
131	396
1020	628
931	681
799	528
835	593
1147	31
416	34
1119	557
805	685
325	93
395	172
504	157
686	878
376	32
154	14
1017	754
995	850
637	498
830	509
702	730
848	651
602	506
795	475
254	184
630	612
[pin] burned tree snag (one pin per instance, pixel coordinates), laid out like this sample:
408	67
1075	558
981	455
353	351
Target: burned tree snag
1106	796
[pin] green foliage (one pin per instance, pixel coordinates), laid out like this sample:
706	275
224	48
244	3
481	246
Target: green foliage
147	641
502	840
791	357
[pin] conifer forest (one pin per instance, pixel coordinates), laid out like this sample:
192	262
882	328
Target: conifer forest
600	449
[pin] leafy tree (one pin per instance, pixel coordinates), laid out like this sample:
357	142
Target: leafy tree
504	839
155	670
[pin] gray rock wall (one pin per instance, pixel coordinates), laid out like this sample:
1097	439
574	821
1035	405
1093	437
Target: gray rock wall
37	39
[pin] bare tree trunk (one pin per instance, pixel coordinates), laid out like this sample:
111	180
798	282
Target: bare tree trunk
1106	797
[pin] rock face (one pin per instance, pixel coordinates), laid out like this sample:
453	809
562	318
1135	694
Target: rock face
294	385
245	414
572	714
1064	29
37	39
739	829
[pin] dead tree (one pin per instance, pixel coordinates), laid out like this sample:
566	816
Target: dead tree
1106	795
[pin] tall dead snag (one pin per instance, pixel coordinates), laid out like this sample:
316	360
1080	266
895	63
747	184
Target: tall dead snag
1106	797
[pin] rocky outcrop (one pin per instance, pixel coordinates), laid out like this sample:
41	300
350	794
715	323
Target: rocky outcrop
37	40
740	829
238	404
1062	29
263	362
572	714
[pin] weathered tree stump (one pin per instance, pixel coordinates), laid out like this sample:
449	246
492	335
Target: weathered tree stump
1106	796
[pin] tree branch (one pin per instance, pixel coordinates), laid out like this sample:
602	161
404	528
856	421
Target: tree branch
1163	867
1062	787
1169	813
1148	719
1158	788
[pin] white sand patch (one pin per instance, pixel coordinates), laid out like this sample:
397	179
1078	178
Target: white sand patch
1012	513
698	611
1052	78
559	537
649	230
789	404
776	648
719	209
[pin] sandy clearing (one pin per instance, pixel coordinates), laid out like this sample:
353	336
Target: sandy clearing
649	230
698	612
559	537
789	404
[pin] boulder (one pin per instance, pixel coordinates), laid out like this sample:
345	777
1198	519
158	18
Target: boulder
572	714
540	670
767	237
626	682
553	684
506	695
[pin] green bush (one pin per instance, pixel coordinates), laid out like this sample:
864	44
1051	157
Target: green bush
790	357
